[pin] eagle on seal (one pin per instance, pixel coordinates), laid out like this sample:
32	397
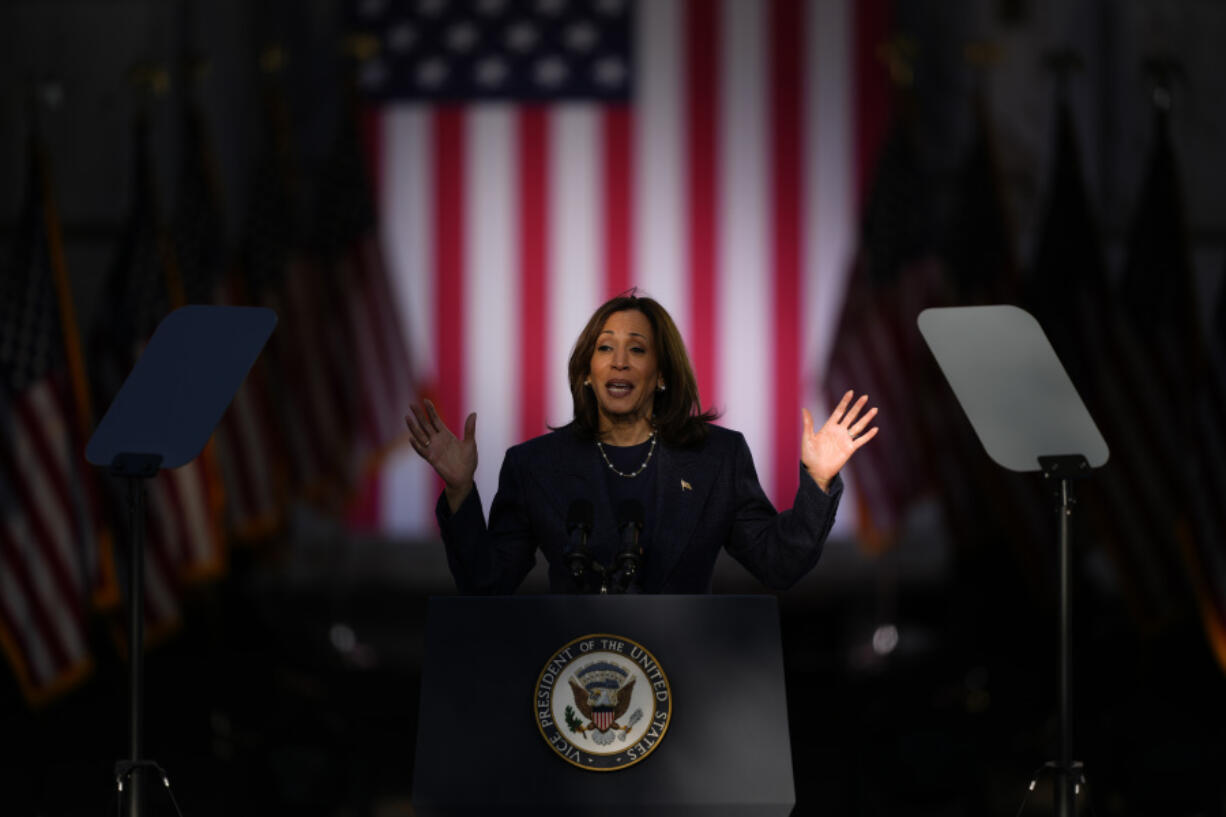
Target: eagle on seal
602	702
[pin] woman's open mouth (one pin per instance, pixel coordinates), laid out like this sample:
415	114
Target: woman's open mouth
619	388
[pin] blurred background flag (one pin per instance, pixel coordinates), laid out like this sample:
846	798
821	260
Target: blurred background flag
352	253
894	275
247	440
53	556
310	359
1158	296
1133	500
538	158
981	267
997	519
1217	334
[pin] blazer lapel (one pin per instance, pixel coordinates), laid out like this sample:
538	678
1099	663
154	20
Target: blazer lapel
682	487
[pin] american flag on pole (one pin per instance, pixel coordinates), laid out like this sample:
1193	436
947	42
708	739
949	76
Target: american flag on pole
536	158
1158	292
1215	614
311	357
877	348
981	264
352	252
992	514
1216	339
249	458
52	554
1134	499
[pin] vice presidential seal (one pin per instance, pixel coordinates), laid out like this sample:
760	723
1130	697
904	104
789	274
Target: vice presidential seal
602	702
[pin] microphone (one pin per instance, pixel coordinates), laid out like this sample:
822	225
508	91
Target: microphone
579	519
630	525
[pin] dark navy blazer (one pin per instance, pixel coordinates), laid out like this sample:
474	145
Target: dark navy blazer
707	498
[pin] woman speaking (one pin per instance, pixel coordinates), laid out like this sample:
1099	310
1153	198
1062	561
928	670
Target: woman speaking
639	492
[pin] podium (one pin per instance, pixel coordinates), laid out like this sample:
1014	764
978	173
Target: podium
712	694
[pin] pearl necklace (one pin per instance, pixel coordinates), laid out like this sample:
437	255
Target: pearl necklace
639	470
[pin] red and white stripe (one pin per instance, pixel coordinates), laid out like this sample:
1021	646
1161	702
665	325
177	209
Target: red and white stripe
250	453
384	374
250	463
47	545
724	190
875	354
1208	556
311	353
183	539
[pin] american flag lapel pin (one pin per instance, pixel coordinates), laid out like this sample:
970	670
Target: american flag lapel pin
685	486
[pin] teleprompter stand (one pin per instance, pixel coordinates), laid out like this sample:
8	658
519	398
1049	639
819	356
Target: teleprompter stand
161	417
1029	417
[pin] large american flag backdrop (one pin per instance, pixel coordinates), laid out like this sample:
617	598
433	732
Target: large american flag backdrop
536	158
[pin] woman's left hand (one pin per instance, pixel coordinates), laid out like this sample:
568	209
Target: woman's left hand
825	451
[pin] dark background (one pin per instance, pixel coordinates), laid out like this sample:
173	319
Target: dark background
252	709
292	685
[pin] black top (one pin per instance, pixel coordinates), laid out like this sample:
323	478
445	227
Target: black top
641	488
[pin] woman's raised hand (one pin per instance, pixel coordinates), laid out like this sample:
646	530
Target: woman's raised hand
453	459
825	451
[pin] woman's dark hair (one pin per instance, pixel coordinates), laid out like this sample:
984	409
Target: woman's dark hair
677	411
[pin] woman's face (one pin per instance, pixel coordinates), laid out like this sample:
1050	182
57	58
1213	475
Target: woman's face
624	371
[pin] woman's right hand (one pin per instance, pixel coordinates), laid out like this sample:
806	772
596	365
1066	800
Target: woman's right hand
453	459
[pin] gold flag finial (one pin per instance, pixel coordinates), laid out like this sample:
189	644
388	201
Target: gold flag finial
1163	72
1063	61
150	77
360	46
898	54
272	59
983	53
199	67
